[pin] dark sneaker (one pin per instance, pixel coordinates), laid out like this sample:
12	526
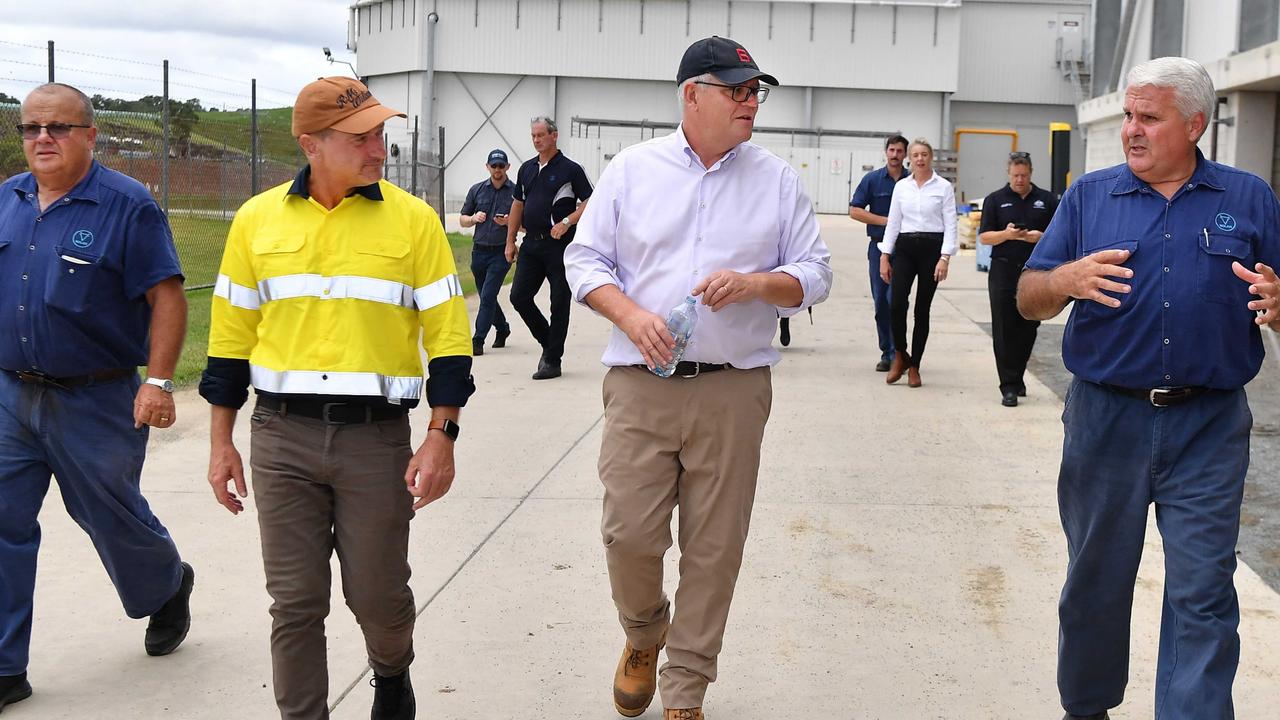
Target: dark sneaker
13	688
546	370
882	366
1010	399
501	340
393	697
477	348
169	625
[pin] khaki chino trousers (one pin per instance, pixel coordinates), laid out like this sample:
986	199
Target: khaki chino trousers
692	443
324	488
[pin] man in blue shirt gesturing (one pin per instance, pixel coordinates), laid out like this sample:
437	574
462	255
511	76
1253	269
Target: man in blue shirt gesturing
1168	258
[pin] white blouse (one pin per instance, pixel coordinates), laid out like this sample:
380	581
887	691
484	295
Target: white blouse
930	208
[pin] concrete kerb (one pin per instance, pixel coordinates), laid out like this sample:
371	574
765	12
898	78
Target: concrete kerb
905	556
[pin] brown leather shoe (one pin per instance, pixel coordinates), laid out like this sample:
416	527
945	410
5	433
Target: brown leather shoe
636	679
683	714
898	367
913	377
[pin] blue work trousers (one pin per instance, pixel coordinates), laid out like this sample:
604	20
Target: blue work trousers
1120	455
880	298
489	267
85	437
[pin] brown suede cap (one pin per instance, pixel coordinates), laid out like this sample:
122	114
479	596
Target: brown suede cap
341	103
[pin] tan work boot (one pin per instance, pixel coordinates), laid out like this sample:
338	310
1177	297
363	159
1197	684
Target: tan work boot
683	714
636	679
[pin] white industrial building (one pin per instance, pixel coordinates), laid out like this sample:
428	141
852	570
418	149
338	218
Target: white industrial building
1236	41
852	71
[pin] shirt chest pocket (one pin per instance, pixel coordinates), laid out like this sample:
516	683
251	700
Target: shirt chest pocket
384	257
276	255
77	278
1215	280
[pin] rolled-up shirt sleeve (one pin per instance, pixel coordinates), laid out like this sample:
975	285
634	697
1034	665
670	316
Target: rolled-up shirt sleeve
802	253
949	221
591	260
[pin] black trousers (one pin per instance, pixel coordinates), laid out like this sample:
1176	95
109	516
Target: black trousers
1012	336
542	258
915	256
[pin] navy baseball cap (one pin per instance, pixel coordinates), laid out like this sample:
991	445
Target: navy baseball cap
497	157
722	57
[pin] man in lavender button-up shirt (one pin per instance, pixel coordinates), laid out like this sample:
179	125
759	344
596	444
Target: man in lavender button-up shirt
699	212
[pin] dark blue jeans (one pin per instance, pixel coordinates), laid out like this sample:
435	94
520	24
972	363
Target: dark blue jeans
880	297
84	436
1119	456
489	266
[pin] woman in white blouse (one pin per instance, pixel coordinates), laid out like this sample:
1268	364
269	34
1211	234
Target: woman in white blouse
919	240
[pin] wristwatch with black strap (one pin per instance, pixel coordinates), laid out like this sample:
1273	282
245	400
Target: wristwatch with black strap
448	427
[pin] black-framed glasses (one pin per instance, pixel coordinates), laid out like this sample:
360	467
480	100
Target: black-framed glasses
740	93
498	166
57	131
1019	155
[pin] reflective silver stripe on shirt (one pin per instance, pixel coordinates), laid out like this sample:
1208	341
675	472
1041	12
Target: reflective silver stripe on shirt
340	287
429	296
238	295
316	382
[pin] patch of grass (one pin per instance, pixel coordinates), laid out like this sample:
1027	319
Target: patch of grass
199	302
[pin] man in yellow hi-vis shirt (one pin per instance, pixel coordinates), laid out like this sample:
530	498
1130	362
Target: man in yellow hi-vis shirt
326	284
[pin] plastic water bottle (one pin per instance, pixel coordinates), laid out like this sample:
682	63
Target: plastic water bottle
680	323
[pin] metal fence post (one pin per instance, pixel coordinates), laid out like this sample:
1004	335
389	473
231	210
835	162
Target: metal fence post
413	169
164	160
50	61
254	180
440	162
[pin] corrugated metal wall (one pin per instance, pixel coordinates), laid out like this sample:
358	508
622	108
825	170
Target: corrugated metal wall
1008	53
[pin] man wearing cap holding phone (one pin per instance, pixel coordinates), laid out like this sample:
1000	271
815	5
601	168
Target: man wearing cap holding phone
699	212
486	208
1013	220
325	285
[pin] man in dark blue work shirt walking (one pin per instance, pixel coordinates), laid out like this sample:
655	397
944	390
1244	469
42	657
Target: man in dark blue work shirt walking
1168	259
870	205
487	207
91	289
550	195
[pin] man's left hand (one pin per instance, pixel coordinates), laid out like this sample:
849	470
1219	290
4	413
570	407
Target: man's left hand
153	406
1264	283
558	230
430	473
726	287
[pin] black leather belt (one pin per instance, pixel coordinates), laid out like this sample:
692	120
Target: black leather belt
688	369
33	377
334	413
1163	396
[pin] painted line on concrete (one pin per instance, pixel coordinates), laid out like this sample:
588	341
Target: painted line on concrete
476	551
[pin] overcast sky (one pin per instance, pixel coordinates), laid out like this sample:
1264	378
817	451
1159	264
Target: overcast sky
116	48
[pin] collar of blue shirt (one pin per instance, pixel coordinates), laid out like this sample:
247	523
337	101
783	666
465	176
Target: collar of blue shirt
87	189
1127	182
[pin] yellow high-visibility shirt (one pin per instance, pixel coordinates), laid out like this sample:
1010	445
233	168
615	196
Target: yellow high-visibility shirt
331	302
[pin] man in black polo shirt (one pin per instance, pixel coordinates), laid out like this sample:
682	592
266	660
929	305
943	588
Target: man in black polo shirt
550	194
486	208
1013	219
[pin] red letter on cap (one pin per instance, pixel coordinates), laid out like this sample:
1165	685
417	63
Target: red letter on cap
743	56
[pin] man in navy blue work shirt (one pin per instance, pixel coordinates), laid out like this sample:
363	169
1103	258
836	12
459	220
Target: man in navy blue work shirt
1014	219
1168	259
550	195
90	288
487	207
870	205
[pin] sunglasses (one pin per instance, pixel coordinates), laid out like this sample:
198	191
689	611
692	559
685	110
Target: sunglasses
498	166
57	131
1019	155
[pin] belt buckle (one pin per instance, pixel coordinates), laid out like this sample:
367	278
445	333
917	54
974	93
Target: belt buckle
1160	396
38	378
697	370
324	413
